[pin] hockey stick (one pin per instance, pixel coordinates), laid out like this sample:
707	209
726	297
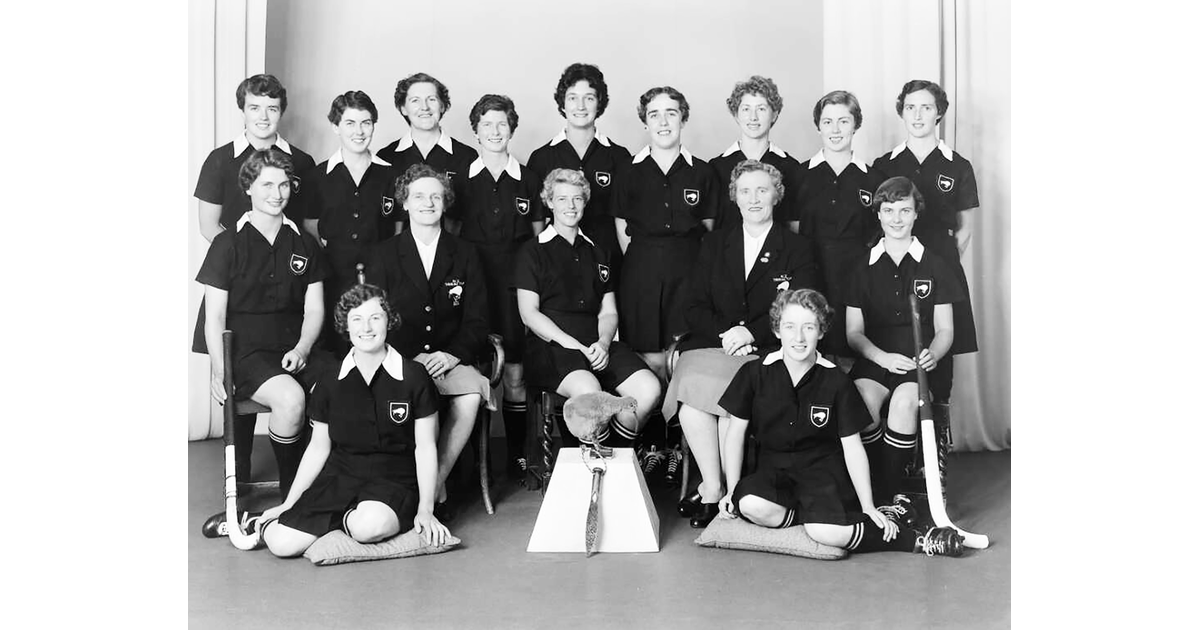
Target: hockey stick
233	525
933	482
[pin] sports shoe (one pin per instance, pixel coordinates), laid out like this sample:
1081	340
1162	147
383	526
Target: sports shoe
651	459
674	460
941	541
216	527
517	467
905	512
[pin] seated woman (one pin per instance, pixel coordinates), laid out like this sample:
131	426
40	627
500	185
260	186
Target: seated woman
812	468
371	467
435	285
264	280
565	296
879	328
737	275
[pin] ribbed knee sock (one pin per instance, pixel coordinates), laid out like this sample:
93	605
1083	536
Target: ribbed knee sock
897	453
868	536
514	427
288	452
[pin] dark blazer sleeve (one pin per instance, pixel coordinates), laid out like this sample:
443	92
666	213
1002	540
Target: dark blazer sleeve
699	307
471	339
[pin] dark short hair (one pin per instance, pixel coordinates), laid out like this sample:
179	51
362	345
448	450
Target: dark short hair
355	297
262	85
575	73
354	99
568	176
838	97
895	189
421	171
494	103
806	298
407	82
751	166
650	94
760	85
916	85
253	166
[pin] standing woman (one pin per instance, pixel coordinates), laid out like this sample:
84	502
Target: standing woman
755	105
435	285
739	272
879	328
264	280
582	97
352	205
835	210
564	292
947	183
663	205
500	211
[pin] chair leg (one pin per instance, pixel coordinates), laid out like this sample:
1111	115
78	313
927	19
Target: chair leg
686	475
547	432
483	423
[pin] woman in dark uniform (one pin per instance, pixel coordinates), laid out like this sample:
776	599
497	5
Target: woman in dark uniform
879	328
737	276
663	204
264	280
805	415
435	285
371	467
352	205
500	210
835	210
565	296
947	182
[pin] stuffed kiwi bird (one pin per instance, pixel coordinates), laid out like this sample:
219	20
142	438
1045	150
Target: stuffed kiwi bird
587	415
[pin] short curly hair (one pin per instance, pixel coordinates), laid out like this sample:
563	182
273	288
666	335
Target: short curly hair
575	73
916	85
806	298
494	103
355	297
751	166
253	166
838	97
261	85
895	189
354	99
684	108
760	85
565	176
421	171
404	84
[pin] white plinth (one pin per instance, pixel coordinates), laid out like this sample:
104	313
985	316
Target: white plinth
628	520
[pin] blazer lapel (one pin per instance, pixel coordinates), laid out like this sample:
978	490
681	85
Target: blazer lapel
443	261
735	263
772	249
410	260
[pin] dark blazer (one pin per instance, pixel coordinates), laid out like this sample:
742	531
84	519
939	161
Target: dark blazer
448	312
719	295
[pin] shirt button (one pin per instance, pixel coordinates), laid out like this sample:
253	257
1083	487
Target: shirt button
834	202
355	215
666	204
356	193
897	276
581	302
668	226
495	210
354	236
428	328
741	323
428	308
426	347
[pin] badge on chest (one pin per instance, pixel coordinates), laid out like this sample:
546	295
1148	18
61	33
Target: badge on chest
819	415
298	264
454	289
398	411
602	270
864	197
783	282
296	184
691	196
389	204
522	205
945	184
922	288
604	179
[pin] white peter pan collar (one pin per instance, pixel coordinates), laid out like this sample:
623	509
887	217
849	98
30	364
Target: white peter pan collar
240	143
562	135
941	146
549	233
246	219
443	141
513	168
393	363
645	152
778	354
336	159
772	147
915	249
819	159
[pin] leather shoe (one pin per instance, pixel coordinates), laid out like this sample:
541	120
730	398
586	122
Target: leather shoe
445	511
704	515
689	504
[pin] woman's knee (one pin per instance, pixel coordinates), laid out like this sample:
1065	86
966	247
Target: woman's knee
760	511
285	542
827	534
902	411
642	385
372	521
576	383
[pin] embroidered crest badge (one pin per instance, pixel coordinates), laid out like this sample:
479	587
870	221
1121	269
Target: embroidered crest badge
398	411
784	282
298	264
945	184
691	196
450	175
389	204
819	415
522	205
922	288
455	293
864	197
296	184
603	270
604	179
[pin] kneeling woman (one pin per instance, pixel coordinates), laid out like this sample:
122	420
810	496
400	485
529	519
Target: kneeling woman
812	469
565	296
371	467
436	286
739	272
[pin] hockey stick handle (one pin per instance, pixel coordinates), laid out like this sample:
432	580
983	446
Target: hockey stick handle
239	538
925	407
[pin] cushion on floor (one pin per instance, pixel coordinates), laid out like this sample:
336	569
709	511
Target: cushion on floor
736	533
336	548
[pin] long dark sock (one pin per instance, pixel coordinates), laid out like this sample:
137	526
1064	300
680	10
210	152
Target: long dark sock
868	536
872	441
514	427
619	436
897	453
288	451
243	441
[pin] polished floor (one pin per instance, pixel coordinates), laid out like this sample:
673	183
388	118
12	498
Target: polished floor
491	582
